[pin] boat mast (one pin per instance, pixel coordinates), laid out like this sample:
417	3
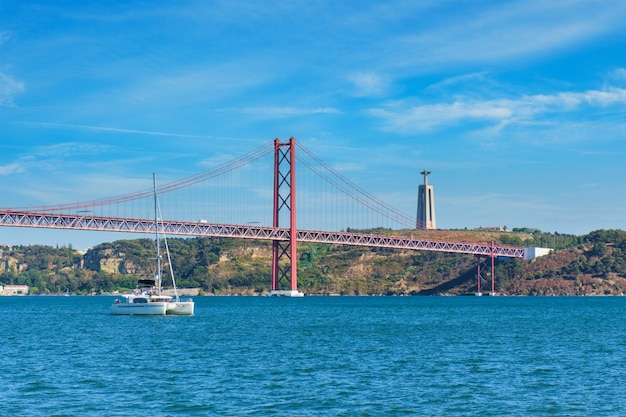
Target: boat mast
158	238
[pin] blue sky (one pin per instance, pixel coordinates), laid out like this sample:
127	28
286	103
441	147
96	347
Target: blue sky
517	107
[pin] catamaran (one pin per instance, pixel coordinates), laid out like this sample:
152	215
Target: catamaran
148	298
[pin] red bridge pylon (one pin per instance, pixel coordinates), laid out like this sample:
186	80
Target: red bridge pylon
284	253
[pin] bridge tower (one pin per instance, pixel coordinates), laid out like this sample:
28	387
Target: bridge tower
425	205
284	253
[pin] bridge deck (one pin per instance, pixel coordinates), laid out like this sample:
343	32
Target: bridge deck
112	224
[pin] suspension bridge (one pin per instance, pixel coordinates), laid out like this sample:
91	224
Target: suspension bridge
259	185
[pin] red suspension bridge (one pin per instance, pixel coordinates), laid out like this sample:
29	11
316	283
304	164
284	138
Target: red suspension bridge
208	201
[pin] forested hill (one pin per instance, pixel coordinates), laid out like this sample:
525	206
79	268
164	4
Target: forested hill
593	264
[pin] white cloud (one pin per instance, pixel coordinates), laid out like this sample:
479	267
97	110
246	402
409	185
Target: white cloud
130	131
13	168
368	84
430	116
505	31
620	73
280	112
572	100
460	79
9	88
502	111
51	157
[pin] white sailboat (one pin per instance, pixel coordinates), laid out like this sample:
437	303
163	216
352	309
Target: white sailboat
148	298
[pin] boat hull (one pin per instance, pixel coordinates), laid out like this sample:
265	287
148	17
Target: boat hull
180	308
143	309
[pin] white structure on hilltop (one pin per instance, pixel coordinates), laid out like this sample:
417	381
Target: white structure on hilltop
534	252
426	205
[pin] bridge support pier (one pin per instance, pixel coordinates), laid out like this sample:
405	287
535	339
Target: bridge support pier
493	268
284	253
479	292
492	255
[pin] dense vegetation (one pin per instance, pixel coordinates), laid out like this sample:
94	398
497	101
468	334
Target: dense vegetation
588	264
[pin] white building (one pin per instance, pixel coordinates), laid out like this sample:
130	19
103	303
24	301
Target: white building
532	253
14	290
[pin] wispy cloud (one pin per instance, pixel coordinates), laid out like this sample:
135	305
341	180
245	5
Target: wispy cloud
11	168
618	74
52	157
459	79
281	112
504	32
406	119
368	84
427	117
9	88
200	83
72	150
129	131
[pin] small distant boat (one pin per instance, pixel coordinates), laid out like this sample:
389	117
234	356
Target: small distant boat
148	298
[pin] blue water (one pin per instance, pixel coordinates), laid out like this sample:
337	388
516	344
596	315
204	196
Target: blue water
317	356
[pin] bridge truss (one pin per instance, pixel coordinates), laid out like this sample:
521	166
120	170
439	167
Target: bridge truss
171	227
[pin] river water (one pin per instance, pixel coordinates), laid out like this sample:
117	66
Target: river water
316	356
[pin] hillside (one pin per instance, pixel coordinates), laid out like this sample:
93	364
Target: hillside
593	264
